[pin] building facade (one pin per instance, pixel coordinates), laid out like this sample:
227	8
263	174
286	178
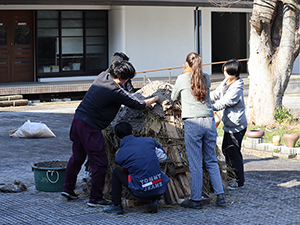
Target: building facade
73	40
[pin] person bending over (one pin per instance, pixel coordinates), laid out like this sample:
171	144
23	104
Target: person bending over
127	86
98	108
139	169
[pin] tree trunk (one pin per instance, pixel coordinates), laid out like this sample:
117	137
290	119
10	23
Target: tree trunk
274	45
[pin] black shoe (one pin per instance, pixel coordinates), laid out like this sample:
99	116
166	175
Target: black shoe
100	203
153	206
191	204
69	196
235	186
117	209
220	200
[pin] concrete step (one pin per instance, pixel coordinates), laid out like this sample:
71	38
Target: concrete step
17	102
12	100
10	97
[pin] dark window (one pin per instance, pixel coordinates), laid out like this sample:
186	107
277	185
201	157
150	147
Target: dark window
3	35
71	43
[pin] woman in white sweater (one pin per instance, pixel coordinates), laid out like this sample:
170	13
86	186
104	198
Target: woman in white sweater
200	133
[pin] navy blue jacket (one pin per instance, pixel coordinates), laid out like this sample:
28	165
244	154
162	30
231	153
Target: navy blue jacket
103	100
137	156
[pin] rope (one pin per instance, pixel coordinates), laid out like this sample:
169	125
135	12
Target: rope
52	171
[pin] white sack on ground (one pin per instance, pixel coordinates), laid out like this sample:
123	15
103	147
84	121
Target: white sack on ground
33	130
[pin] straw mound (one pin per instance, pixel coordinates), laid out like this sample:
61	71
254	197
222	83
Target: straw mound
161	121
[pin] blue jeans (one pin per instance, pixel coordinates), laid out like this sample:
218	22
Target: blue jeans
200	142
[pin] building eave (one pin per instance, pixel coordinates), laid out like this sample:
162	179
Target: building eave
193	3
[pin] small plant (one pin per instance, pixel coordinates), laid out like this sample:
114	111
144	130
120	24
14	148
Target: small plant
276	150
283	114
297	143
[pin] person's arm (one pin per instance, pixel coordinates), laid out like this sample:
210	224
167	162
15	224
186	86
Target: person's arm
175	95
216	94
150	101
160	153
231	98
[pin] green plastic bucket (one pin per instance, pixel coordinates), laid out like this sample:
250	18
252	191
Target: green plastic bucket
49	176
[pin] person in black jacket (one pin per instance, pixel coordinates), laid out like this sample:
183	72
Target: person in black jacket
117	56
139	169
120	56
98	108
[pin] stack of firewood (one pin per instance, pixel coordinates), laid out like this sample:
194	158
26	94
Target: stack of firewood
162	122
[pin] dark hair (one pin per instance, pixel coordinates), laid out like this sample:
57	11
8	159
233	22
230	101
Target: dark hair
122	69
123	129
198	79
119	56
233	67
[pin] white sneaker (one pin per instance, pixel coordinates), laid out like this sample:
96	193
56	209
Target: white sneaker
234	186
86	176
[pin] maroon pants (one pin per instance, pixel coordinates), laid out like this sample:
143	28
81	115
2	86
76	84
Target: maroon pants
87	141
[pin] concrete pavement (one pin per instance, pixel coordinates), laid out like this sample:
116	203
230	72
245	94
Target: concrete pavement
271	194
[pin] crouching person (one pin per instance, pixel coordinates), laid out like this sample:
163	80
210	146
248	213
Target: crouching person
140	171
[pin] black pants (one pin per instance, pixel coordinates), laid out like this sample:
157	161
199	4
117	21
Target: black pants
118	179
231	148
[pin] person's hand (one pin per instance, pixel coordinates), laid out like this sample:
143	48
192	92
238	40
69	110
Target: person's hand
151	100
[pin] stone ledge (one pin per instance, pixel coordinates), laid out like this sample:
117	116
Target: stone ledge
262	153
256	146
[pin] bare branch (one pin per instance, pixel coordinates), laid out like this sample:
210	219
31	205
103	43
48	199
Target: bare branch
229	3
292	2
263	13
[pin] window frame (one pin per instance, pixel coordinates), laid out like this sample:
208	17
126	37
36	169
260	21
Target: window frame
84	71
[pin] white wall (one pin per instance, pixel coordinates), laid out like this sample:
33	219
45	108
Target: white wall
116	29
206	39
155	37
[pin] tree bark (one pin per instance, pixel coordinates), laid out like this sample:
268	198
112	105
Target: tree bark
274	45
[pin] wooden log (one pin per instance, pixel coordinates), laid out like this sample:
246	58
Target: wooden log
185	183
182	170
175	155
10	97
156	126
171	130
174	191
169	199
178	187
170	119
19	102
171	193
167	196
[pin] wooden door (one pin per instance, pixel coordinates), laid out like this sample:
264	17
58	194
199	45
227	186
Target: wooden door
16	46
